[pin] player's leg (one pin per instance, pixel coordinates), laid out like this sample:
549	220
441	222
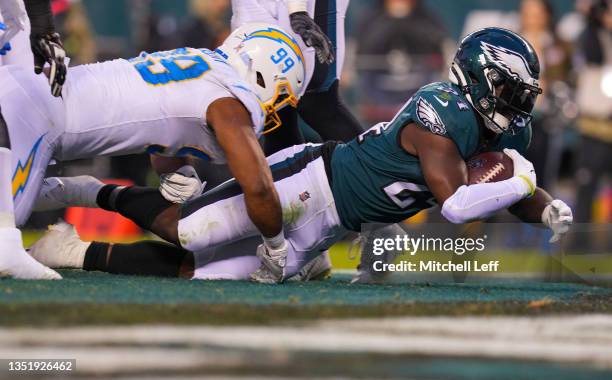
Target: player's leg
25	150
61	247
321	106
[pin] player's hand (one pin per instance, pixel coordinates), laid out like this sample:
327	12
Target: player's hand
3	37
182	185
313	36
5	49
49	49
523	169
273	263
558	217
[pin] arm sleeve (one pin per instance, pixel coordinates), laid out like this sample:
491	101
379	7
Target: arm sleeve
41	18
479	201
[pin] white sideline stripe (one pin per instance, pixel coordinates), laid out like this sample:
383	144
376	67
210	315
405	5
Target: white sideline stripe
575	339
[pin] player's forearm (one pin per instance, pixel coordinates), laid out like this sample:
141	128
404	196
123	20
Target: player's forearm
529	210
41	18
252	172
476	202
265	212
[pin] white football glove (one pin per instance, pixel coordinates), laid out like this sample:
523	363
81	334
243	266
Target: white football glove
523	169
273	263
182	185
558	217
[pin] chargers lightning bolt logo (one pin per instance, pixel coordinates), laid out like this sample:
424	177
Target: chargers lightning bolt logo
23	171
277	35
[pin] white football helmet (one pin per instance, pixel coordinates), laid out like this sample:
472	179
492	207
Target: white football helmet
269	59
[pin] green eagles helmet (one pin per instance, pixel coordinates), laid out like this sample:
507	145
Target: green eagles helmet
498	72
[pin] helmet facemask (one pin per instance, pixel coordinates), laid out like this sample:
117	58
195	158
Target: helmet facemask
508	106
283	96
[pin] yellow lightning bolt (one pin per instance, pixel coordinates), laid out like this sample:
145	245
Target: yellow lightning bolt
22	172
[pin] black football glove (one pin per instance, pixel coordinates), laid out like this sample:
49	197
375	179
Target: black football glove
48	48
313	36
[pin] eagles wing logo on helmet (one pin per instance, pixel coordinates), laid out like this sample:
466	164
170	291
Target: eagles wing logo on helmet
427	114
510	61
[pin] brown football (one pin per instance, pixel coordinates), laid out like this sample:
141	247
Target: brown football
489	167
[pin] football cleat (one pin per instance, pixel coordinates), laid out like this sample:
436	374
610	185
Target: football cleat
60	247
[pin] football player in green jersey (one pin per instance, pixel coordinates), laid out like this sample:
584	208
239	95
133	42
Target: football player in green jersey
386	175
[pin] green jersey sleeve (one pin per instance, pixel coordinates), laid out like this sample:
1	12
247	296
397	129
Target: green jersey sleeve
441	109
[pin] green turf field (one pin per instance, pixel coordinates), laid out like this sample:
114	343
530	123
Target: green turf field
98	298
311	329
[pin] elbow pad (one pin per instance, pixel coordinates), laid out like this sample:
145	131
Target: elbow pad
482	200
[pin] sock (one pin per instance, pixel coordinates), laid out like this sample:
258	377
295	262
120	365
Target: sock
140	204
147	258
7	208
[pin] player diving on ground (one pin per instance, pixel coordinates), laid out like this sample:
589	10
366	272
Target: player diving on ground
182	102
386	175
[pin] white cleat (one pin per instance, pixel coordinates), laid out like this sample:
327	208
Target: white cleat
61	192
317	269
15	261
60	247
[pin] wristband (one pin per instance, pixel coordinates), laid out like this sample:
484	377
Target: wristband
294	6
529	184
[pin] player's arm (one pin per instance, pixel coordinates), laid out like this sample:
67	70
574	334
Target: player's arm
543	208
446	176
46	43
234	130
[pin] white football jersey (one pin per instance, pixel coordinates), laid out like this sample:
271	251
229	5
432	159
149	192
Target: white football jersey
153	103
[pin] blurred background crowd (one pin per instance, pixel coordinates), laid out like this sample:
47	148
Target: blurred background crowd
393	48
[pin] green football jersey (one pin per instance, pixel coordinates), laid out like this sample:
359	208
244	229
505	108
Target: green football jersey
374	180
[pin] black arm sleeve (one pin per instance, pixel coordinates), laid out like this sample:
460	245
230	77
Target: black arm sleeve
41	18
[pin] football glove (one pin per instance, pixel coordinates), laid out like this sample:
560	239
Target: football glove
273	263
523	169
557	216
313	36
48	48
5	49
182	185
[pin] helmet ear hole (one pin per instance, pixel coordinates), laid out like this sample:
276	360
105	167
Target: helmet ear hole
260	80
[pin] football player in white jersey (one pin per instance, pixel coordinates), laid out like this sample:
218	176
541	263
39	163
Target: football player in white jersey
30	49
176	103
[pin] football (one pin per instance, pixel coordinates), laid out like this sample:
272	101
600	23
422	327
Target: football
489	167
